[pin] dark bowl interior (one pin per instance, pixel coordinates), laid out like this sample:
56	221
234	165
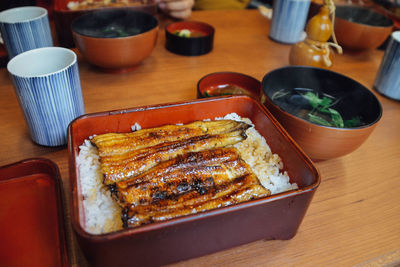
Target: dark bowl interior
114	23
363	15
355	99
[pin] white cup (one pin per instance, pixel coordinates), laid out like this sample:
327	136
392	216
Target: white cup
47	84
387	81
25	28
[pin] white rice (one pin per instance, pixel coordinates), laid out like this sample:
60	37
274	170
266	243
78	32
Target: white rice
102	213
266	165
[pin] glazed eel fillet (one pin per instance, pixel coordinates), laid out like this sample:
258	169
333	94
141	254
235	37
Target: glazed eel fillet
161	146
211	196
120	143
197	171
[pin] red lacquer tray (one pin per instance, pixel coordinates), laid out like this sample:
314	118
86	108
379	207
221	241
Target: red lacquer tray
31	215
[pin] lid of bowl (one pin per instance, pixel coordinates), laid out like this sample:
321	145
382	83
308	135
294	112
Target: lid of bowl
31	215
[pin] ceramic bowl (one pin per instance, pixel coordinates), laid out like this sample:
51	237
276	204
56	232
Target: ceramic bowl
198	39
115	40
228	83
63	16
319	142
274	217
360	28
389	8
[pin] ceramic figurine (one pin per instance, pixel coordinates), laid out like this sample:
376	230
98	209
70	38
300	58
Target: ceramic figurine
315	50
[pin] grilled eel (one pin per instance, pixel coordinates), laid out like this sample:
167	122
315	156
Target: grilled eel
120	143
118	167
240	189
192	171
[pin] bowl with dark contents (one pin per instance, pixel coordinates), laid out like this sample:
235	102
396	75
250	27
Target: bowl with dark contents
65	11
115	40
328	114
361	28
228	83
189	38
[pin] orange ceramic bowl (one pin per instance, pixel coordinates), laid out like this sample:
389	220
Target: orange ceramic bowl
116	40
352	100
361	28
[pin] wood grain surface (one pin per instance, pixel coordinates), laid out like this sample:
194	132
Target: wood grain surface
354	217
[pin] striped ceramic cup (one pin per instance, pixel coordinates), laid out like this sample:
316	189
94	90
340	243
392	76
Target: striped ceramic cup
47	84
387	81
288	20
25	28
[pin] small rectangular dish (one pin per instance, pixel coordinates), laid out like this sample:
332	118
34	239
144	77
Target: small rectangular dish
273	217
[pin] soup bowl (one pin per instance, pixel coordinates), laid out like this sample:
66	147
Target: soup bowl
361	28
116	40
189	38
307	101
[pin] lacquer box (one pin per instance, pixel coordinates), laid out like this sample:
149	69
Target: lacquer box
274	217
32	228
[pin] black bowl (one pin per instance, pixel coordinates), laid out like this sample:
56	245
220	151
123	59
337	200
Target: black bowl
189	46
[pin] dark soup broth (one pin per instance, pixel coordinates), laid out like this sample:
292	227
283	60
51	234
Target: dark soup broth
315	106
115	31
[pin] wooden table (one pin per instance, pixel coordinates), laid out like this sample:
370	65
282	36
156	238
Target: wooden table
355	215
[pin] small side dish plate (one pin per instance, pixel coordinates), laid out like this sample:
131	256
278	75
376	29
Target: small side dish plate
31	215
273	217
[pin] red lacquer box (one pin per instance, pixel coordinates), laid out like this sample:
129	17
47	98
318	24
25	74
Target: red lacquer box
63	17
31	215
274	217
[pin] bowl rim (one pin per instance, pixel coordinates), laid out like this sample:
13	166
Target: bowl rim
199	94
363	24
193	22
266	97
60	7
106	10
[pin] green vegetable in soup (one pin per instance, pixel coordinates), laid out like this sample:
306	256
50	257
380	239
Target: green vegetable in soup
183	33
188	33
354	122
313	108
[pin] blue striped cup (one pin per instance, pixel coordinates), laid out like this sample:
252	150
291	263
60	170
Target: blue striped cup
47	84
387	81
25	28
288	20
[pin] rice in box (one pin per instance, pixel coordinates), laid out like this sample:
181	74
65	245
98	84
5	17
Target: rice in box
103	214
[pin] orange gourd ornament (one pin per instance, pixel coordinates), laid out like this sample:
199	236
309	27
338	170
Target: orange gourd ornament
315	50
